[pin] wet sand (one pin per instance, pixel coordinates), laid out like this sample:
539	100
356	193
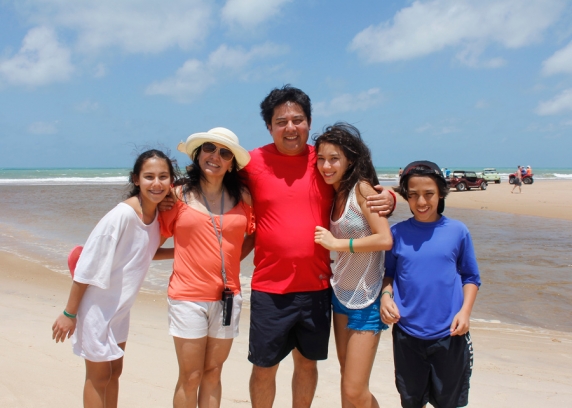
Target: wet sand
544	198
514	365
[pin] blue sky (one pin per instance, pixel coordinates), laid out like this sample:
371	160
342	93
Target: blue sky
460	82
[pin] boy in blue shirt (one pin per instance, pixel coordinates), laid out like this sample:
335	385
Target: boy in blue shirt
430	285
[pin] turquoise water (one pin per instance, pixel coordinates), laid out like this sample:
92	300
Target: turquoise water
63	176
118	176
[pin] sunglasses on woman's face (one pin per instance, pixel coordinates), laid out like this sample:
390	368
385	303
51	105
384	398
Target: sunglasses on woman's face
224	153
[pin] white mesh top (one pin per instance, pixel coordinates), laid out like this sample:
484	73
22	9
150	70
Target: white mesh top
357	277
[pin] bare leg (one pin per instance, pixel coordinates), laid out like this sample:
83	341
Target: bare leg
112	389
101	388
263	386
191	359
97	377
210	390
342	337
304	380
360	354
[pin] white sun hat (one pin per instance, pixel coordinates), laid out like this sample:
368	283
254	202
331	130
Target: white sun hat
219	135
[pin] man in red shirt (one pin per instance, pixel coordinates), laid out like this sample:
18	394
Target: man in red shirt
290	300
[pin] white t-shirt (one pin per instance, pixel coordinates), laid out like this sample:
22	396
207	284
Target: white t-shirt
357	277
114	262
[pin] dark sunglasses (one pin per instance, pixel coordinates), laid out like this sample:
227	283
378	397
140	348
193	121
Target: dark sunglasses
224	153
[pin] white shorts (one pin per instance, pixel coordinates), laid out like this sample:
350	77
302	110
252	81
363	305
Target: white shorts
194	320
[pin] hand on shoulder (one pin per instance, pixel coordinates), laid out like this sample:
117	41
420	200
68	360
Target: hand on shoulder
364	190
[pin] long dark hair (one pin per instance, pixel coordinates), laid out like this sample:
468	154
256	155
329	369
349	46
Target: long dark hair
360	167
233	181
140	161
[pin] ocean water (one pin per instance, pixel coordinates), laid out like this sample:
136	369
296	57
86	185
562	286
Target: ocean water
119	176
525	261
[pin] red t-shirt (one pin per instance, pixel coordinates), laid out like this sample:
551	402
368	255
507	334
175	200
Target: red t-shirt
290	198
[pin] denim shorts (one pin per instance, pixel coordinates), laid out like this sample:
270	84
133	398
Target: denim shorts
367	319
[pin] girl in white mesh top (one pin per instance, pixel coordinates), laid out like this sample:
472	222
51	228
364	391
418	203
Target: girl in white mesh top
359	237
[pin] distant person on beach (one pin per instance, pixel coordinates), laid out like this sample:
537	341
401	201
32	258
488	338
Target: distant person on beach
108	276
359	237
209	221
400	172
447	172
517	180
430	286
528	171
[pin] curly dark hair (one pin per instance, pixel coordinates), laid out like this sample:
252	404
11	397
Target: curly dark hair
140	161
233	181
279	96
360	166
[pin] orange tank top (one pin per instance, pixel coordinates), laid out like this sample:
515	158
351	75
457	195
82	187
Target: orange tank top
197	263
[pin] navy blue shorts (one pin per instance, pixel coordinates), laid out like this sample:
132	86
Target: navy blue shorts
281	322
434	371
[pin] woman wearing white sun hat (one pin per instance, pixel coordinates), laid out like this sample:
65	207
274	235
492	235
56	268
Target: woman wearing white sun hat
208	222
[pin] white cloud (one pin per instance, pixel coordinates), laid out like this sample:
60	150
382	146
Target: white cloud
87	106
40	61
471	54
191	80
349	103
471	26
437	130
424	128
481	104
196	76
559	62
43	128
136	26
100	70
248	13
559	104
237	58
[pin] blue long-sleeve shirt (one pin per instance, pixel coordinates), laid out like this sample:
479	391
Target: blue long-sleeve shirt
430	262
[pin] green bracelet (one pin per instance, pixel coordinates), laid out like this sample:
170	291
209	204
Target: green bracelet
388	292
71	316
352	245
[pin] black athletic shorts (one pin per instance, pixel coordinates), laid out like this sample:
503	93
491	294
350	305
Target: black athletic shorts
280	322
435	371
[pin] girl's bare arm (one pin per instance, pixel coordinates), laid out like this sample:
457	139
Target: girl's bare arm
64	326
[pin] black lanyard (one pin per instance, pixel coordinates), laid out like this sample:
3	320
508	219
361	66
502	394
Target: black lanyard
218	236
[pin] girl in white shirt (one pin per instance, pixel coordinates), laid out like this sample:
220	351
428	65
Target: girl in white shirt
108	276
359	237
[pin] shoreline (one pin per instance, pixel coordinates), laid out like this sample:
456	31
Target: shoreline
513	364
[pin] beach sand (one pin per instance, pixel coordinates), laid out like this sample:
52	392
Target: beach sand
544	198
514	365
